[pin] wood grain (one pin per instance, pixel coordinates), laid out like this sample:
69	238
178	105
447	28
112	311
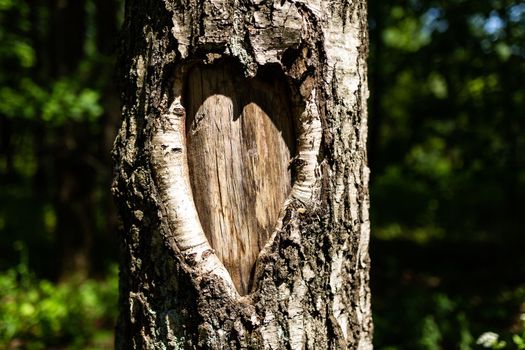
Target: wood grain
240	139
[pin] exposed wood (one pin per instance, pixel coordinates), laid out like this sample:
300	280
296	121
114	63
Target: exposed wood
240	140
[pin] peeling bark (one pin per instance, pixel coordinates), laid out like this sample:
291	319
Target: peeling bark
184	280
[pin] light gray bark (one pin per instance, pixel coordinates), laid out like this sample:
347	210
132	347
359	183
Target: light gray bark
185	268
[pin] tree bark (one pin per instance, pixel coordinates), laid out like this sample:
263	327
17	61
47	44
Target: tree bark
241	176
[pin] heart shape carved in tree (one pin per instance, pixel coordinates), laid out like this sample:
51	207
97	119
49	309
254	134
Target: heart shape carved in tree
240	140
222	158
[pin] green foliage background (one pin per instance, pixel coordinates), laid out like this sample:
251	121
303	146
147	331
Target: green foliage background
446	150
59	112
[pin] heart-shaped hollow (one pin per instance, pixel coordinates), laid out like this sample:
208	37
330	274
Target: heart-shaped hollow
240	140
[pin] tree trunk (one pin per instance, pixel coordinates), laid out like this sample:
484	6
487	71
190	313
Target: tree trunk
241	176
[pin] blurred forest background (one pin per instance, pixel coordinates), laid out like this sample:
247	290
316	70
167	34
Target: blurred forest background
446	149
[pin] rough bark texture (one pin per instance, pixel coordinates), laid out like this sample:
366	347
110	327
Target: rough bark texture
310	286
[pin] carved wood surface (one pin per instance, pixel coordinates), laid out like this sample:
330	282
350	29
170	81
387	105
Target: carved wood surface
240	139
